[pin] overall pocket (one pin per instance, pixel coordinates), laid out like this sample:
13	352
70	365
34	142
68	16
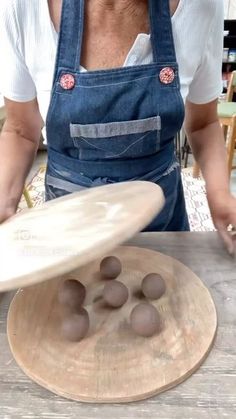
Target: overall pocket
117	140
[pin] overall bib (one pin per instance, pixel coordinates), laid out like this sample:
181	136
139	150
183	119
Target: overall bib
119	124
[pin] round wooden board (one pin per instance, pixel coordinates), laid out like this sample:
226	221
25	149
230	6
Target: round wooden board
73	230
112	364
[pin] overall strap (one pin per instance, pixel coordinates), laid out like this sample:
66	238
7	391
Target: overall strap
161	31
70	35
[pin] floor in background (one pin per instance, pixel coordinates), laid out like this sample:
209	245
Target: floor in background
194	189
35	188
41	160
196	202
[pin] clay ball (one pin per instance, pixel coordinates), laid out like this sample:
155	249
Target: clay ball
145	320
115	293
110	267
71	294
153	286
75	326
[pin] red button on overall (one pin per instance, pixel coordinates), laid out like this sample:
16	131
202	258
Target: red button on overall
167	75
67	81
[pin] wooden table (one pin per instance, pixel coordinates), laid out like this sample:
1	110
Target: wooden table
208	394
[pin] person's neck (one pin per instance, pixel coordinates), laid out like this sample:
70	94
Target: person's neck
118	5
116	14
123	6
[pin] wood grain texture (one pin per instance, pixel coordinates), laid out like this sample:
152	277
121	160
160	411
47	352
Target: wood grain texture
208	394
113	364
73	230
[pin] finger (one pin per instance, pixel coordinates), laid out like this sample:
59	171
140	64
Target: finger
227	238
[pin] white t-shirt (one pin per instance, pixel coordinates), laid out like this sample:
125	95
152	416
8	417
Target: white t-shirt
28	43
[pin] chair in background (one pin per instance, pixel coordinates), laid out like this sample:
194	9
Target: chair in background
178	147
227	117
28	200
186	150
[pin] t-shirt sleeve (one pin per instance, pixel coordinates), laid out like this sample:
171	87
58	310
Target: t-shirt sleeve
15	80
206	85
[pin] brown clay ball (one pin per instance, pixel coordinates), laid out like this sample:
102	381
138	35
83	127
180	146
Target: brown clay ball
71	294
110	267
115	293
153	286
75	326
145	320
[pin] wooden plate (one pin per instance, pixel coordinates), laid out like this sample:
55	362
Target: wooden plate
73	230
112	364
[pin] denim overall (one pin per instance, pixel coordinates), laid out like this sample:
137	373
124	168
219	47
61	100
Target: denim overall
119	124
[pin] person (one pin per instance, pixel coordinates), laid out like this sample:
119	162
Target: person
112	98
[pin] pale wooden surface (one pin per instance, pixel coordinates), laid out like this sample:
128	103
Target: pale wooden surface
103	366
209	394
70	231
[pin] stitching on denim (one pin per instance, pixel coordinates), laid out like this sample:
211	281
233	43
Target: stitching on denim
119	71
80	34
113	155
75	140
169	170
116	83
116	128
63	184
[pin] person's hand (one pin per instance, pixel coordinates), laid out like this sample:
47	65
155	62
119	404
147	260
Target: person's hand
223	210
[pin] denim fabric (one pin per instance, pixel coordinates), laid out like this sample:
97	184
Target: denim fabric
117	124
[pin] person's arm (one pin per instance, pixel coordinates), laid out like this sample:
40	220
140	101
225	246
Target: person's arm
206	139
19	142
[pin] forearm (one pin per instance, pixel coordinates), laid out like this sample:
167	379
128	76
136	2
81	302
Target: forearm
209	150
16	158
207	141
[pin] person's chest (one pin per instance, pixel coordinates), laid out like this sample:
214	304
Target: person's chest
189	31
109	32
